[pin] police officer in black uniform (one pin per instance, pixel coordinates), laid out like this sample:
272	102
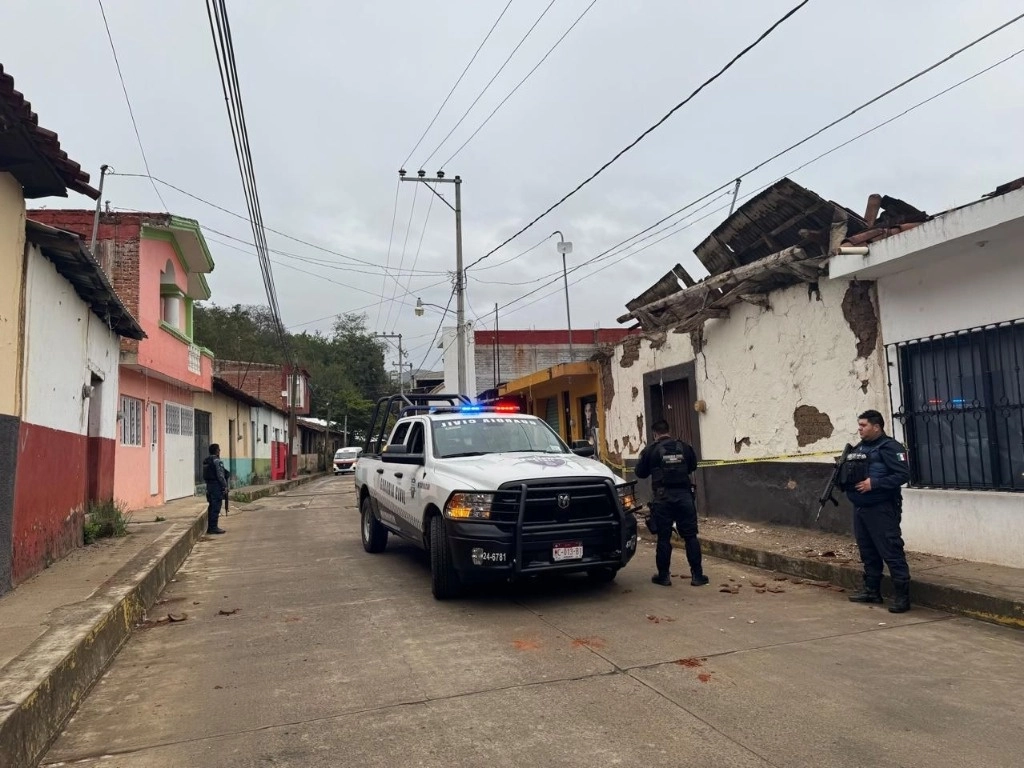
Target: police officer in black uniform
872	476
670	462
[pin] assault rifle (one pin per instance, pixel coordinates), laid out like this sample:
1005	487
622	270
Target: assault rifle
828	494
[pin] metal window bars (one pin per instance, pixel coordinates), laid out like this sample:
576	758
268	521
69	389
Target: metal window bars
959	397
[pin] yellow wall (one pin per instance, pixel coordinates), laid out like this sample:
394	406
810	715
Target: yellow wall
222	409
12	265
578	386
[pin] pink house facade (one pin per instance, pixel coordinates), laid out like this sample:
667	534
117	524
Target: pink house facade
158	263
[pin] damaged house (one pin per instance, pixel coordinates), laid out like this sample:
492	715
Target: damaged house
813	313
763	366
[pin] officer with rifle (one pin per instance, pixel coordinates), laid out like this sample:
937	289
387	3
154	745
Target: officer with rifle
669	463
871	474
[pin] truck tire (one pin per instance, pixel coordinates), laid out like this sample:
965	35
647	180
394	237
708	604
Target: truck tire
373	534
444	579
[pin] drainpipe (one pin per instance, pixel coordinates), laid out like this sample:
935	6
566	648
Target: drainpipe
852	250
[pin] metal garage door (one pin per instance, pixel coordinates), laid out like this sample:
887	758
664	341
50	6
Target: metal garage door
179	451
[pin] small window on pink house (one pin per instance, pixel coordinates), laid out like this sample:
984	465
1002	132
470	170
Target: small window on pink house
171	305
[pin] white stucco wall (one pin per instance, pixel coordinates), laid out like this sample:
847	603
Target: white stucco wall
273	420
758	365
959	288
974	525
964	289
623	433
65	345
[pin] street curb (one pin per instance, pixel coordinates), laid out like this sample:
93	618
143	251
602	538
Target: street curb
43	685
261	492
924	591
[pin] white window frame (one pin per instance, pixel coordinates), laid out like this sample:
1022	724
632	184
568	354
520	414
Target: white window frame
131	421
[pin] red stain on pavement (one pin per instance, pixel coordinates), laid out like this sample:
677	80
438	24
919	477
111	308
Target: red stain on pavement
594	643
690	662
525	645
704	677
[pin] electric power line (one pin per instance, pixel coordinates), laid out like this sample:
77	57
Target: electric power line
489	82
246	219
419	247
220	30
644	135
439	325
391	238
464	71
519	84
128	101
405	245
614	250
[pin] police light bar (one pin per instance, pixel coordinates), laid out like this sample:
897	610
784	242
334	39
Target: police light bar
501	408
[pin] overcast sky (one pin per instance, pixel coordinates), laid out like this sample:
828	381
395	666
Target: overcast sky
337	93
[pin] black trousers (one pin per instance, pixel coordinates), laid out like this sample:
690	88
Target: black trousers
877	529
214	498
678	511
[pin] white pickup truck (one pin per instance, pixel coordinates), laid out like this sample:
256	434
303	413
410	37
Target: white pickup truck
490	493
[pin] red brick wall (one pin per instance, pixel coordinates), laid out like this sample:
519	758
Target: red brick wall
118	233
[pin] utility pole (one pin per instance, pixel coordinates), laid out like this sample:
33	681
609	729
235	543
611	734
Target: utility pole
564	248
460	277
497	349
96	219
292	424
735	195
401	386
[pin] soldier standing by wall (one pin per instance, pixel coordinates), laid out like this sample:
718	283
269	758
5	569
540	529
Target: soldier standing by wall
872	476
669	463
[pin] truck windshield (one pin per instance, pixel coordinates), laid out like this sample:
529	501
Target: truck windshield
476	437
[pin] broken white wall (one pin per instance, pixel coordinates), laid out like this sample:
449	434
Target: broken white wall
758	366
625	428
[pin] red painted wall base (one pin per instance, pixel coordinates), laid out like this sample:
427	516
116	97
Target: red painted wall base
57	474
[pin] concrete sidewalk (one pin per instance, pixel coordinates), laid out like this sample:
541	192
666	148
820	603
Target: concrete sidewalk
62	628
981	591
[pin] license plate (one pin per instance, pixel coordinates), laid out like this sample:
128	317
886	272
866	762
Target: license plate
570	550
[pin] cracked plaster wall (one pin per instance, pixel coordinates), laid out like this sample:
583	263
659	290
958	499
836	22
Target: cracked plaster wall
757	367
624	413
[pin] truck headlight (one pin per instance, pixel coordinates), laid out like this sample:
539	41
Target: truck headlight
627	497
469	506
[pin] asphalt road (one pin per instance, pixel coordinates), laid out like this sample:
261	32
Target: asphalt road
300	649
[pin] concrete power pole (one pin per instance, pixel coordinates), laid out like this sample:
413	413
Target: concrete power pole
401	354
460	277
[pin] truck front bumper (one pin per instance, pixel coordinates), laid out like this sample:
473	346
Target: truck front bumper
505	550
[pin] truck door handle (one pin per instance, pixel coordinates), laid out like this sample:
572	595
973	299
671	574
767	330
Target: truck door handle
398	475
380	471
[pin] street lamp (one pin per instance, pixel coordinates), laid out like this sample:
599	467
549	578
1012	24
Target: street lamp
566	248
420	304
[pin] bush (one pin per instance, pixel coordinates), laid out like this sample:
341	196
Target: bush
106	519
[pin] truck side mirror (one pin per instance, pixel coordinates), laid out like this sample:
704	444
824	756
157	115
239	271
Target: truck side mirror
583	448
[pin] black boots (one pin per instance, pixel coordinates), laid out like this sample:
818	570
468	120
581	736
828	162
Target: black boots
663	579
699	580
872	592
900	596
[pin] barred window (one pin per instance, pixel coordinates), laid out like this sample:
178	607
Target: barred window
172	419
131	421
962	407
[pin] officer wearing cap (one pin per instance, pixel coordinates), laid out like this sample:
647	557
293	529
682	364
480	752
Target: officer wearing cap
872	476
669	463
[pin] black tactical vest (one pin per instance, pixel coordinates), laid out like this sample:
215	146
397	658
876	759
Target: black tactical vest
671	470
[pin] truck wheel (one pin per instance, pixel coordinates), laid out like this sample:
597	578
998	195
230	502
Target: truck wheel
374	535
444	579
603	575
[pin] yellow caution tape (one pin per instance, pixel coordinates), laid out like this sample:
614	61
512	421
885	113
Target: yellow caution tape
723	462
